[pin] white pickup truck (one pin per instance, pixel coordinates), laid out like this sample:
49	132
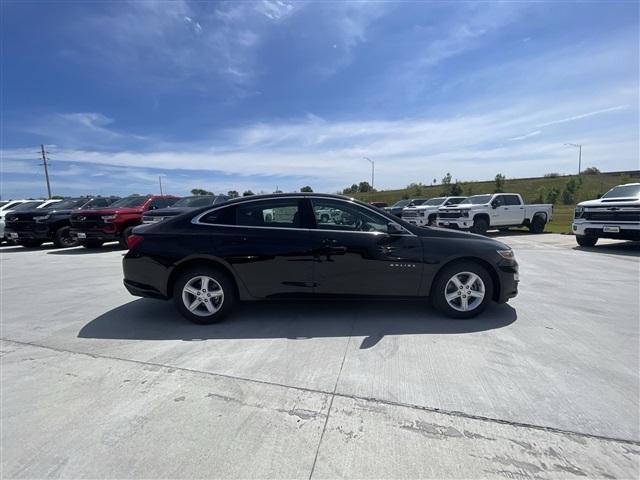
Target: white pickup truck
615	215
427	213
479	213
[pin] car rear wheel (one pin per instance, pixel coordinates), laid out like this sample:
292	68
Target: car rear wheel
30	243
462	290
204	295
537	224
92	243
586	241
63	238
480	226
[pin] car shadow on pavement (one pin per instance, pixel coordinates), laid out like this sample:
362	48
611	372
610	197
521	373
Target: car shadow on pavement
20	248
629	249
514	233
87	251
146	319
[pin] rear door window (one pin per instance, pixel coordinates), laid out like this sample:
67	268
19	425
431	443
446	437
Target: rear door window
511	200
276	213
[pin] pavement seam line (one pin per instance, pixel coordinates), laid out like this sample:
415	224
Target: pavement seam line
451	413
333	395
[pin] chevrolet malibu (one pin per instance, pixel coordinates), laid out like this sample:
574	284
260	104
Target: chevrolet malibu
274	246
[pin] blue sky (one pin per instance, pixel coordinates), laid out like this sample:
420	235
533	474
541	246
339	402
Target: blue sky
254	95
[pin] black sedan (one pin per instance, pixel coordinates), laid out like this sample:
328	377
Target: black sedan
273	246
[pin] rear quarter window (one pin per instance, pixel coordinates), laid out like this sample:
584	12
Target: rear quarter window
222	216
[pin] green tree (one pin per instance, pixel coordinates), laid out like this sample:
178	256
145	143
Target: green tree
364	187
248	193
415	189
591	171
552	195
306	189
540	197
200	191
499	183
233	193
446	180
455	190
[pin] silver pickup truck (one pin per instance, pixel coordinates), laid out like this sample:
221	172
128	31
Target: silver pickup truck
479	213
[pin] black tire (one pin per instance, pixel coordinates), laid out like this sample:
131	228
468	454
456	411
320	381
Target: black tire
29	243
126	233
441	287
92	243
480	226
63	239
224	281
537	224
433	219
586	241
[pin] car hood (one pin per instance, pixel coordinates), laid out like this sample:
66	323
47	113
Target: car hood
435	232
168	212
611	202
111	211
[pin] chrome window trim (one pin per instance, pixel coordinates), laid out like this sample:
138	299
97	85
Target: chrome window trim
196	219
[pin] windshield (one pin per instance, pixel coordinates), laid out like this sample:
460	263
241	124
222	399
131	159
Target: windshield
401	203
66	204
197	201
137	201
434	201
476	200
27	205
623	191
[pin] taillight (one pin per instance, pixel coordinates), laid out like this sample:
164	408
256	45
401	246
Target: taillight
134	240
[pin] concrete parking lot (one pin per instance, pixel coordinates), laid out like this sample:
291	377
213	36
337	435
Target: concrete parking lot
96	383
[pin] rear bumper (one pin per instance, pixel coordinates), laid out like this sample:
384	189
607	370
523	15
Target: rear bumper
625	231
142	290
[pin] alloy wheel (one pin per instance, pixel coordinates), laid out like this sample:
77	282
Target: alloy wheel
203	296
464	291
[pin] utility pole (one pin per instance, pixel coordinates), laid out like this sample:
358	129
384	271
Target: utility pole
579	147
46	169
160	181
373	168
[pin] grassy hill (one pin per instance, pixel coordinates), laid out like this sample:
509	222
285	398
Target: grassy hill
531	189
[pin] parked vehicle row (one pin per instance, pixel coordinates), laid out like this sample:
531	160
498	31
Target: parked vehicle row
19	205
283	245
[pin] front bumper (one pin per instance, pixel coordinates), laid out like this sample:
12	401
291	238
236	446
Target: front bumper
509	278
417	221
38	232
464	223
108	234
615	230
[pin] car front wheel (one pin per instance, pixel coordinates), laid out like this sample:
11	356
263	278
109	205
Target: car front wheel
63	238
462	290
480	226
585	241
204	295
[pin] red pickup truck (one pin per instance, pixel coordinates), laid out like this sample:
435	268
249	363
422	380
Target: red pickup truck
94	227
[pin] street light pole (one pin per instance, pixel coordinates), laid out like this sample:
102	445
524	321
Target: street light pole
373	168
579	147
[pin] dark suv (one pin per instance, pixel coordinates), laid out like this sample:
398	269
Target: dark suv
34	227
94	227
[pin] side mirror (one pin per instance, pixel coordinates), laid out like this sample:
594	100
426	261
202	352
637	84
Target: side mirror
494	205
394	229
152	207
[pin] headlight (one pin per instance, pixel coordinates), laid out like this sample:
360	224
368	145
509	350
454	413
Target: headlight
42	218
506	254
464	213
578	212
108	218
